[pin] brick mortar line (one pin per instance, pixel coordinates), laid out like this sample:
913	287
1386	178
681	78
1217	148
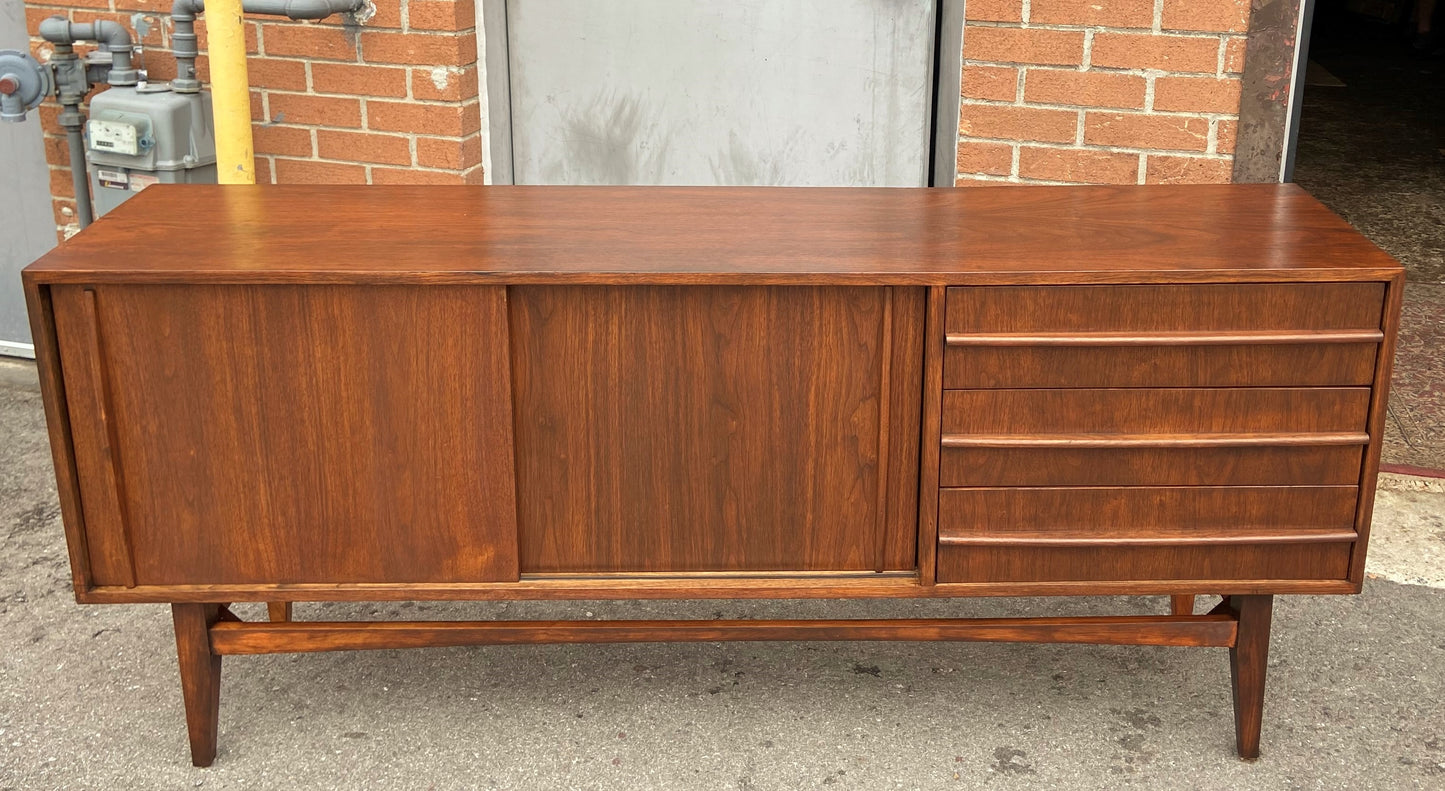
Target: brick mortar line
380	132
408	98
1202	114
1133	31
1094	69
372	98
378	64
989	177
355	163
315	129
1097	147
1022	180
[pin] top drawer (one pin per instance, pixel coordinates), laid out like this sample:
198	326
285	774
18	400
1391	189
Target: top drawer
1233	307
1231	335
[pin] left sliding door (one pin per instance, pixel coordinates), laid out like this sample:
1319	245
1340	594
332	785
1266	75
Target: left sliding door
271	434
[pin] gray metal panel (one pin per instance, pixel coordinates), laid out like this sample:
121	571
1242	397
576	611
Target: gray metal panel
1297	89
29	224
493	17
765	92
948	90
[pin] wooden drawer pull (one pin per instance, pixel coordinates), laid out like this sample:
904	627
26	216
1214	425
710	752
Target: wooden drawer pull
1165	338
1054	540
1150	440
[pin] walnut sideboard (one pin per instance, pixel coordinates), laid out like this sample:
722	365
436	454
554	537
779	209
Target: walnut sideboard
305	393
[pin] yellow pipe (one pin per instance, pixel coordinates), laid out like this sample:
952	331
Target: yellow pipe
230	92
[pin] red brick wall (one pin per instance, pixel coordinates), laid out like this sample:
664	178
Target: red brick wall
1111	91
395	100
1100	91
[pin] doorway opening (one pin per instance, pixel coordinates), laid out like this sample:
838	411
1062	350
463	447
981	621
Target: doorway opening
1371	146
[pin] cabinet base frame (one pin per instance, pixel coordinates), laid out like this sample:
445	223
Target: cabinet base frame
207	632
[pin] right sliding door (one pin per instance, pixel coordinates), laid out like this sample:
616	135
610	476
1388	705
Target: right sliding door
716	428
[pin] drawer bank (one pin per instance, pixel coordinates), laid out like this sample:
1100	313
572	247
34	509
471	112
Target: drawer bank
302	393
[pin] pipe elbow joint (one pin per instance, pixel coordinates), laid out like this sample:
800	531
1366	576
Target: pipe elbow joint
116	39
186	10
112	36
59	30
56	30
320	9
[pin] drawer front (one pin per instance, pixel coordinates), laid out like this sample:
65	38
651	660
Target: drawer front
1135	412
983	362
1165	308
1320	561
1142	514
1023	465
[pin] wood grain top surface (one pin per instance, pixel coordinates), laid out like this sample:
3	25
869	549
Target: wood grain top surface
1011	234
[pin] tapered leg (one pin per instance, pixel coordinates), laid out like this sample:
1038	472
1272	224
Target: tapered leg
279	610
200	677
1181	605
1247	661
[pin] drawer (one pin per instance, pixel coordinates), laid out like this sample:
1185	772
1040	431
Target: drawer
1318	359
1319	561
1235	307
1143	412
1145	533
1146	514
1009	462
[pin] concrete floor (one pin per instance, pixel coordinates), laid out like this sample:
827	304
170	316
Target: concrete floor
89	696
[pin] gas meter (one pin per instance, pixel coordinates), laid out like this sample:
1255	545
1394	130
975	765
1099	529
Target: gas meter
147	134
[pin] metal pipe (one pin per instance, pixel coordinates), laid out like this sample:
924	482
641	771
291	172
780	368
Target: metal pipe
183	45
230	94
111	36
71	86
183	18
76	142
294	9
230	88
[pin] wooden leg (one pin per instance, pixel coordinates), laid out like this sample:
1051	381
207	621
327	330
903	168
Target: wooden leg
200	677
1181	605
1247	661
279	610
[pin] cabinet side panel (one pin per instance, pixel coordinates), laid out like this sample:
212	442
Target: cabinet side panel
711	428
1379	403
313	434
